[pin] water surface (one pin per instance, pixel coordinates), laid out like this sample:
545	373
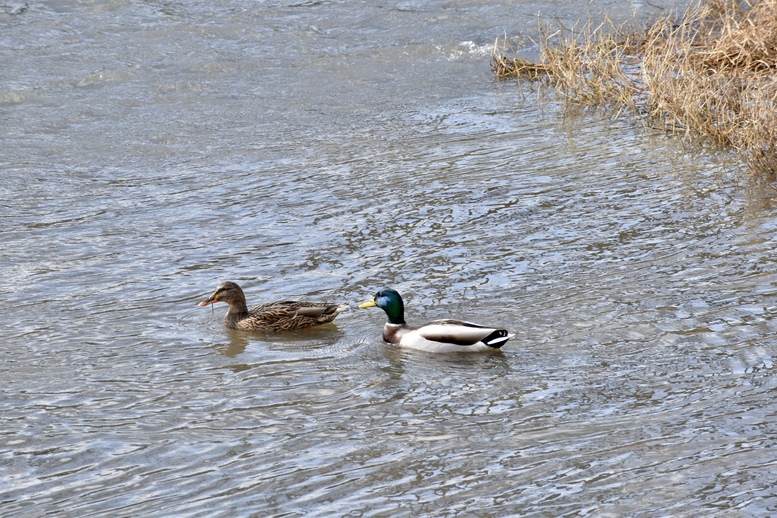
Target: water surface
324	150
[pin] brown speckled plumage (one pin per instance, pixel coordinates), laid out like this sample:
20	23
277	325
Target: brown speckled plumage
272	316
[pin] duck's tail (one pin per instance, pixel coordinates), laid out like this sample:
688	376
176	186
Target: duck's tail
498	338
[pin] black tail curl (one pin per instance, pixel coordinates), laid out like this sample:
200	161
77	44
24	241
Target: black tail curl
497	339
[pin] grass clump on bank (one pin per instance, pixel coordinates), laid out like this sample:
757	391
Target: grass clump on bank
711	75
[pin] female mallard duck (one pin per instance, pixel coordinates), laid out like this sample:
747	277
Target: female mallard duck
273	316
439	336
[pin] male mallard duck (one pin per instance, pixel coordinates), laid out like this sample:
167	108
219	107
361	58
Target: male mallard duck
439	336
273	316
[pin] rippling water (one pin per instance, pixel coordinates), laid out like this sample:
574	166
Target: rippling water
324	150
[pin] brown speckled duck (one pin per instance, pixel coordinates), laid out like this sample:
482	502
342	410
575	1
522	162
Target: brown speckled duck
273	316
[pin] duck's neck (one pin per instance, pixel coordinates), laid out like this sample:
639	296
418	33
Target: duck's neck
237	311
396	314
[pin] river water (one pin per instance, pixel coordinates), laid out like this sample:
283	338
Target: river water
324	150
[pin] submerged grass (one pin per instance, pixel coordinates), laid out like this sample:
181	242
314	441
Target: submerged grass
710	75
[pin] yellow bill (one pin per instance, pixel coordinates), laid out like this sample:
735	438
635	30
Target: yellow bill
368	304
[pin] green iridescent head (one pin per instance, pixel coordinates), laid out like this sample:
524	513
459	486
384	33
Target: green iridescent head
389	301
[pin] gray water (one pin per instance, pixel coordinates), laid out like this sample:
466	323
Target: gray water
323	150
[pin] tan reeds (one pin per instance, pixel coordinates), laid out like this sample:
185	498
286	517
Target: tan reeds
712	75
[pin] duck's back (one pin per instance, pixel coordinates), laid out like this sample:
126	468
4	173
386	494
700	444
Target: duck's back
289	314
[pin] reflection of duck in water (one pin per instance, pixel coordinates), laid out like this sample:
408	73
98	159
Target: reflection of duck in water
439	336
273	316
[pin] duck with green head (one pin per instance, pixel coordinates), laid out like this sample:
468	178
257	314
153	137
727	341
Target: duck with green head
439	336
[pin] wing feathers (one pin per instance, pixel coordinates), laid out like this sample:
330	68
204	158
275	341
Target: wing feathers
284	315
457	332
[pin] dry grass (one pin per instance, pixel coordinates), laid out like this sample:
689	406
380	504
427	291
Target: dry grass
711	75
